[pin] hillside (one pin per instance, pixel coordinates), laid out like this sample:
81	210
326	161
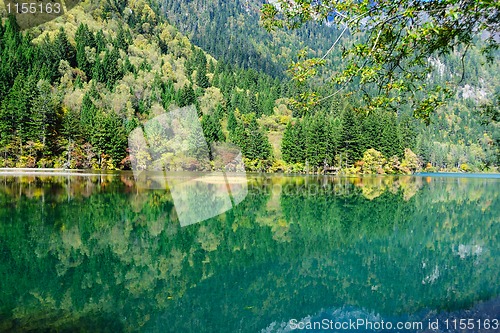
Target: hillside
84	81
230	30
97	73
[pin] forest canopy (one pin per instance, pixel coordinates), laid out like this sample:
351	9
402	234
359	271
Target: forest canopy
73	89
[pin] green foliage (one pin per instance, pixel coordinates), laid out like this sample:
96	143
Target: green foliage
390	61
201	78
246	134
351	146
187	96
231	122
372	162
411	163
201	69
293	146
65	50
89	86
257	145
316	132
212	129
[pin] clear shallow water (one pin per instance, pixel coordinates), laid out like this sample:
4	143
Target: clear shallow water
96	254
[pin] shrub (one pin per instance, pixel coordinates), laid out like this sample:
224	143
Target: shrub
373	162
465	167
411	162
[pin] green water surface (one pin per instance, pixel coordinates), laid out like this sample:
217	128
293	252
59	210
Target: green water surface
96	254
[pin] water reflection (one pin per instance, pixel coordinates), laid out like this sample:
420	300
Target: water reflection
98	254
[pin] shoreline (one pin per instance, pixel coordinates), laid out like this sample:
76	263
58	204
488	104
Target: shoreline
96	173
49	172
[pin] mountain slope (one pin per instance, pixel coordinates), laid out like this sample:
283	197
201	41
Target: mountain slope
84	81
230	31
97	73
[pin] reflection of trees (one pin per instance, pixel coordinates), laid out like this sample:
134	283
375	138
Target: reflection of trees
105	261
59	188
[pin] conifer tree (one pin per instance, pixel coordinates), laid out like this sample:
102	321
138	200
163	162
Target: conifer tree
100	41
201	77
187	96
123	39
287	144
389	142
84	38
98	72
257	145
231	122
168	93
254	106
294	143
350	139
316	140
88	113
112	72
334	131
64	49
239	137
44	119
212	129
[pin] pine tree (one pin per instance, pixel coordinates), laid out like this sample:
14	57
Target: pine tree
100	41
44	120
16	109
10	55
201	77
108	136
351	146
287	144
81	60
294	143
64	49
231	122
84	38
123	39
407	132
128	67
187	96
299	150
254	106
316	142
168	93
389	139
239	136
98	72
88	113
112	72
212	129
71	127
334	132
257	144
50	57
219	112
211	66
371	130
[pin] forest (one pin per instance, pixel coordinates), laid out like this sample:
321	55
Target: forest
73	89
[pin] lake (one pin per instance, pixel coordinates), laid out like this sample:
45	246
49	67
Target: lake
95	253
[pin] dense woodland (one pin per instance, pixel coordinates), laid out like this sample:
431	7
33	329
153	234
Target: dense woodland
73	89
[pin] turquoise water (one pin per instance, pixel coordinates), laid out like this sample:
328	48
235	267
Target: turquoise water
96	254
